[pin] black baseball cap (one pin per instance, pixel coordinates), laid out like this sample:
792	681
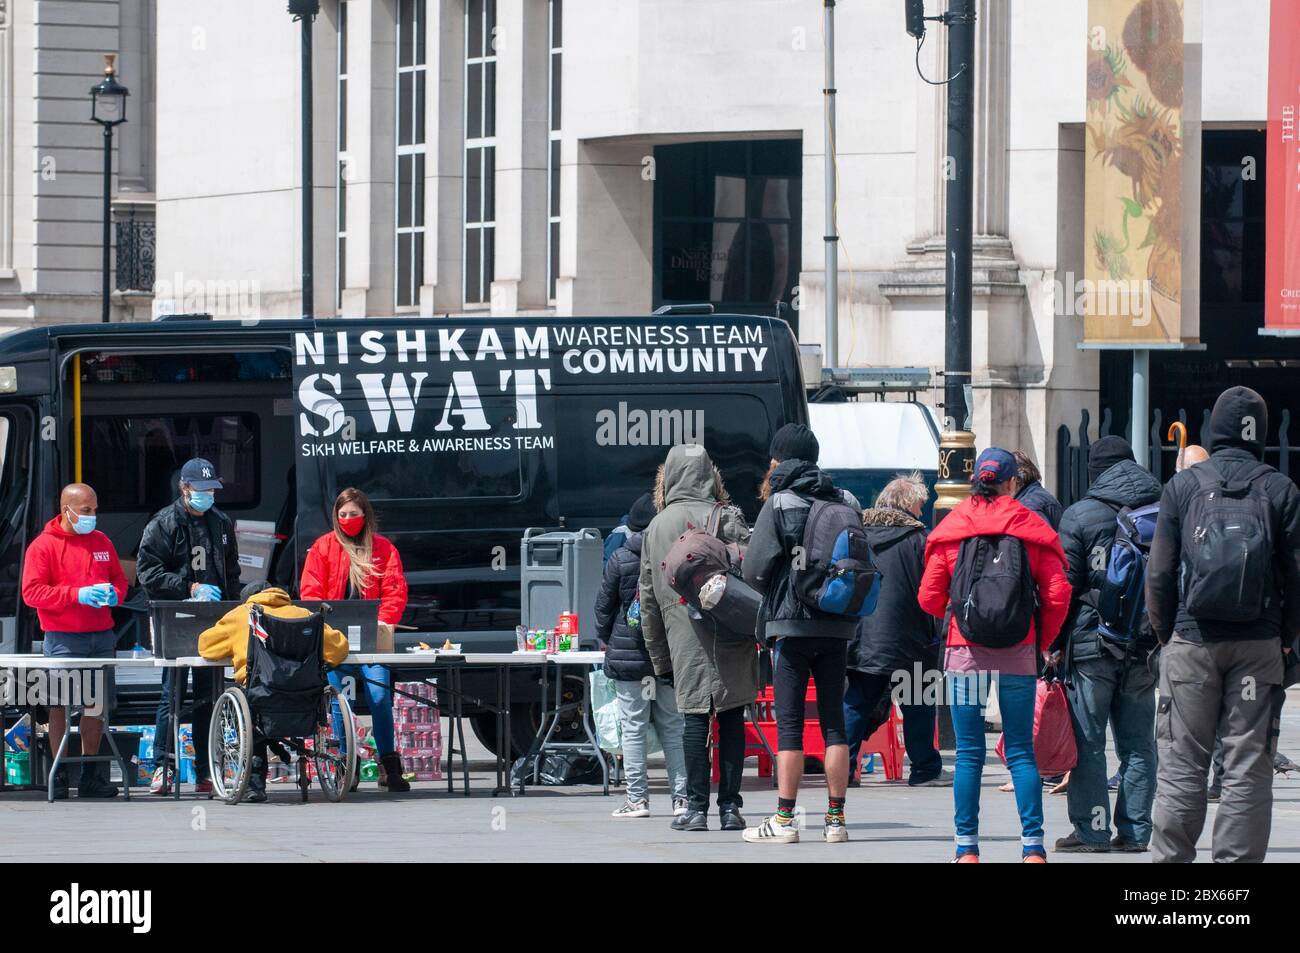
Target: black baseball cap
200	474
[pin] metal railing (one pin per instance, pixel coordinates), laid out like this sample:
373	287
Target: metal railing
1072	455
135	253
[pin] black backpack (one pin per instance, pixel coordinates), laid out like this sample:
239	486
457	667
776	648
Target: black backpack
835	574
1227	544
993	595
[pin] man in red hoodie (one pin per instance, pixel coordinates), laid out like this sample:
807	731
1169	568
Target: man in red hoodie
996	573
72	578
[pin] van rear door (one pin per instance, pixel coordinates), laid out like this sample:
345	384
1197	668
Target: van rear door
18	435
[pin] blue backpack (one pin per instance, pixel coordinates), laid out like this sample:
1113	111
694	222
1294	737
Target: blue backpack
1121	601
836	574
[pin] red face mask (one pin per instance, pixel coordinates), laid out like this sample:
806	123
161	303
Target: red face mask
352	525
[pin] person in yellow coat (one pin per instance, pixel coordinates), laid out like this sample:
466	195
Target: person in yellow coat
228	639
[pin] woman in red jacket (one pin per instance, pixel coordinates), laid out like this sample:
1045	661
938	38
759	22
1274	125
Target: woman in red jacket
993	515
355	562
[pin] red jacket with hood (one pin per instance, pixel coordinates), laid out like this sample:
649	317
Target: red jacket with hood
57	564
1000	516
325	575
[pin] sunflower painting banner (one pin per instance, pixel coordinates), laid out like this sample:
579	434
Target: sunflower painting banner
1133	178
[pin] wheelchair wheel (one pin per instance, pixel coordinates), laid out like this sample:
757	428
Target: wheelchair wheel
335	748
230	745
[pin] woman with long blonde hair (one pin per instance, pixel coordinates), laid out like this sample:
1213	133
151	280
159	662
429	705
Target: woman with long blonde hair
353	561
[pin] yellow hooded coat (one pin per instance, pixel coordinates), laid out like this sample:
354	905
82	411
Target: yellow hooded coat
228	639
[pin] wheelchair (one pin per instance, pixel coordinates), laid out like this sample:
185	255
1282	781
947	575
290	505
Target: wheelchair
288	704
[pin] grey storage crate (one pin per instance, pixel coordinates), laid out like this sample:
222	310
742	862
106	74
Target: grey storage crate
560	572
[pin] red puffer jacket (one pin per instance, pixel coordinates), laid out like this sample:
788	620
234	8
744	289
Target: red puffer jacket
325	576
1001	516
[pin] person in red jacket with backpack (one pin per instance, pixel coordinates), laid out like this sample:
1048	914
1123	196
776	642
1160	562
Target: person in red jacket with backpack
355	562
996	572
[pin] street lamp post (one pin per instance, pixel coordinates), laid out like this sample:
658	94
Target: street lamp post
108	108
306	11
957	443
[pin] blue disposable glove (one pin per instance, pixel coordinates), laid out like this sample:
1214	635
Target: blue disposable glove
91	596
110	594
207	593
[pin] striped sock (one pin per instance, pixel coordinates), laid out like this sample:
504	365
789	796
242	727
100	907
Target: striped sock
785	810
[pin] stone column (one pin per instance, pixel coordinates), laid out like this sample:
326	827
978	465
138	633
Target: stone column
444	159
523	54
368	287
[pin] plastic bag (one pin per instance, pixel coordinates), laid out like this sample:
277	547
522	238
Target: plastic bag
1055	750
605	720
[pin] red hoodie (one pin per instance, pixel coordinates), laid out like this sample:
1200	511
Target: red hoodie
325	575
57	564
1001	516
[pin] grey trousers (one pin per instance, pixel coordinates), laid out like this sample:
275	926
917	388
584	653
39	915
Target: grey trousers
1226	687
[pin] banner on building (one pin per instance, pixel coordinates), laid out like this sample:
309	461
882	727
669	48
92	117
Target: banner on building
1282	212
1133	179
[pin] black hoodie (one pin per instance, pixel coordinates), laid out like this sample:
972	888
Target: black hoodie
899	633
1235	437
778	530
1087	532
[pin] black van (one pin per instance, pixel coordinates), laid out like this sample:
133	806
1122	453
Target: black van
463	431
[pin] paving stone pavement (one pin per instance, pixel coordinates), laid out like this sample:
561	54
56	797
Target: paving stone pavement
887	822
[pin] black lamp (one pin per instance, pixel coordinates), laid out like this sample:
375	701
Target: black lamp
108	108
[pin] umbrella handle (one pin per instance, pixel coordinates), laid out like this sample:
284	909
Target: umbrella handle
1179	428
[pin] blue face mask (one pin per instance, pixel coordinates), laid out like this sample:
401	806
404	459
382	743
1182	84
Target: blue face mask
81	523
201	500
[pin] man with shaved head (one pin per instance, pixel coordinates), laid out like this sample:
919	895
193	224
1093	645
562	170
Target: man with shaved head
1190	456
72	578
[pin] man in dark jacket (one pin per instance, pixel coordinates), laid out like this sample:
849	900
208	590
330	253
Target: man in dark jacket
805	642
1028	489
1110	684
642	698
188	551
899	636
1216	673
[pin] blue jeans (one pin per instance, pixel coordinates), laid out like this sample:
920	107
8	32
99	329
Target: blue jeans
639	705
379	697
1122	693
1016	695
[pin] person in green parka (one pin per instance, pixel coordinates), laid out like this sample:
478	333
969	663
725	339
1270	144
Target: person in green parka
710	677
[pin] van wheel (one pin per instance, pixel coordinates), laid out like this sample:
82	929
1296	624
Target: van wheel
526	718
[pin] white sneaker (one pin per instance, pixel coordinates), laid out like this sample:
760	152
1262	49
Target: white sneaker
771	832
835	831
633	809
942	780
159	783
679	806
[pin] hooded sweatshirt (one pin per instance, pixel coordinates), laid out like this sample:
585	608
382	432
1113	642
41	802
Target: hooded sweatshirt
58	564
777	532
1087	532
899	633
707	673
1235	438
228	639
1000	516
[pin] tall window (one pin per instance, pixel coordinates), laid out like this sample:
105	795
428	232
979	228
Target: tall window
341	249
480	147
410	151
553	155
727	221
